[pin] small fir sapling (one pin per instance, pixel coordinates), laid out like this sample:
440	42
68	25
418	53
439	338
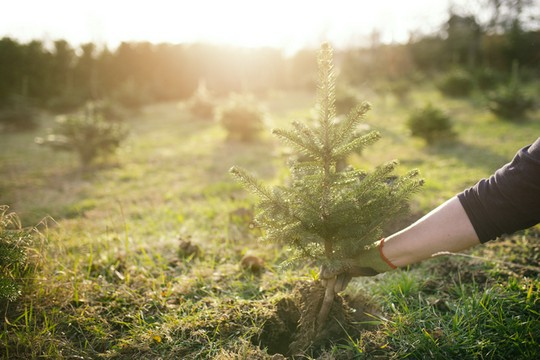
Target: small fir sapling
510	102
430	123
88	134
456	83
323	214
242	116
202	104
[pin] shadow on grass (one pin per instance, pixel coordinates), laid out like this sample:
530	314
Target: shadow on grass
472	156
257	157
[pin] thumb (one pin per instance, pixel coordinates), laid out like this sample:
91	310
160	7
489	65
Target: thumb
341	282
325	273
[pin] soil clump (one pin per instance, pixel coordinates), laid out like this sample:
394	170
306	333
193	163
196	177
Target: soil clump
292	329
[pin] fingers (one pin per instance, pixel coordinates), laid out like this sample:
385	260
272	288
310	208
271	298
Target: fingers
325	274
342	279
341	282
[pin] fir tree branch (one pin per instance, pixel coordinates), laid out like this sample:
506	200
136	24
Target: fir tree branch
349	177
298	142
377	176
304	168
346	129
356	144
388	208
308	135
251	183
326	93
302	199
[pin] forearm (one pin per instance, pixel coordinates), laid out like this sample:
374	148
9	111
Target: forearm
446	228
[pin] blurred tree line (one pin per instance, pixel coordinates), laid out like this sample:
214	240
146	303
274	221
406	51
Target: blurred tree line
134	73
60	77
507	33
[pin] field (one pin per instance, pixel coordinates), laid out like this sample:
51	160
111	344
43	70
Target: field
114	281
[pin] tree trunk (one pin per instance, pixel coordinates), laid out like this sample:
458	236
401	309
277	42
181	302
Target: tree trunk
326	304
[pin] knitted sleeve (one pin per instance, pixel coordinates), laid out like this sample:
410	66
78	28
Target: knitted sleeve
509	200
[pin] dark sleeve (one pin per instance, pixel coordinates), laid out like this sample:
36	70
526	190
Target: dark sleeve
509	200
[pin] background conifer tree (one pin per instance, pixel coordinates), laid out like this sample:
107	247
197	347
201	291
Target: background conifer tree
324	214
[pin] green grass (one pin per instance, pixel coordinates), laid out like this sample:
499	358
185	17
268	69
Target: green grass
445	316
112	283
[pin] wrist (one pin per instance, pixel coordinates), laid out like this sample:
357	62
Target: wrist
383	256
372	261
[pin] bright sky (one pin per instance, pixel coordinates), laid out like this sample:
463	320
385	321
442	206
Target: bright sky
290	24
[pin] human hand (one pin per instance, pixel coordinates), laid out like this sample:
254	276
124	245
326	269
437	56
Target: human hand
342	280
368	262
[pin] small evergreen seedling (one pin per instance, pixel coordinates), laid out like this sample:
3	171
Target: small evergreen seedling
202	103
324	214
242	116
431	124
511	102
457	83
88	134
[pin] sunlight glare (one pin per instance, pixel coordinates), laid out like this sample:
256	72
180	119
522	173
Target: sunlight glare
277	23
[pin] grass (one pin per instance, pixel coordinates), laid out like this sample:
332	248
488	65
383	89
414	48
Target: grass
112	283
462	318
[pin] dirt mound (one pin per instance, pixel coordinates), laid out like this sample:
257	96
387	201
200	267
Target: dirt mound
291	330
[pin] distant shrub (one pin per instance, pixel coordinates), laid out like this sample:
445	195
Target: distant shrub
242	116
87	134
14	262
487	78
202	104
456	83
510	102
18	115
431	124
